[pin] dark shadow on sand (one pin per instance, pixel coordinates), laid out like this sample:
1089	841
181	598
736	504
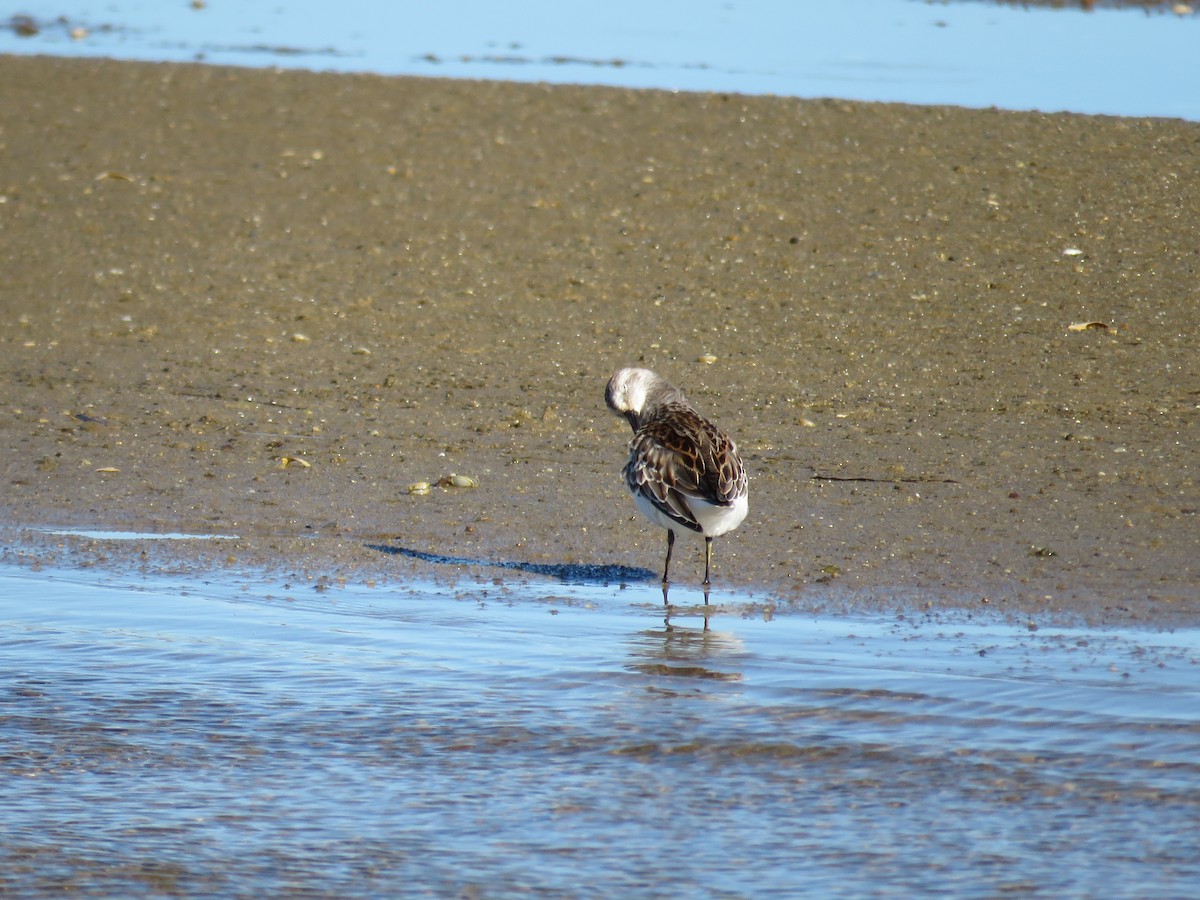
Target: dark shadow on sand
566	572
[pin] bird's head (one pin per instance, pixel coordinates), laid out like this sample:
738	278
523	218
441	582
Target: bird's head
628	390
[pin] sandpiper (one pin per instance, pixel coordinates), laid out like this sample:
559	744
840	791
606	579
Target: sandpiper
683	471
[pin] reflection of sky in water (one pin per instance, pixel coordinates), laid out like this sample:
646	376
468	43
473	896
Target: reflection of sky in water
226	737
1123	62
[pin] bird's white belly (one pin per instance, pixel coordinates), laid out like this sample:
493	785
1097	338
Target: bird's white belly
714	520
719	520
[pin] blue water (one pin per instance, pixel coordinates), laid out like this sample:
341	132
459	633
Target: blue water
246	737
1111	61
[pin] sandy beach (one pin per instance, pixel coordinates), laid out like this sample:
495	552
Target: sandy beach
958	348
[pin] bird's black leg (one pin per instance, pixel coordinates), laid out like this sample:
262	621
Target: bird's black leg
667	565
707	560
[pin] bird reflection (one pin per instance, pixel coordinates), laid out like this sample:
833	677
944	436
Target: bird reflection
683	651
706	611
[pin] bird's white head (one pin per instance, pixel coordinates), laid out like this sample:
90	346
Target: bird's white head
626	391
630	390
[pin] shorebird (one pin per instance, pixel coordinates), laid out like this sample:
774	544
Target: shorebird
683	471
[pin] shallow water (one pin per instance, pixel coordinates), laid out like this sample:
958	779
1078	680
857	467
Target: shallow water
1110	61
183	736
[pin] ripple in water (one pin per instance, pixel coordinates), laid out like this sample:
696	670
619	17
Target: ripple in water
549	739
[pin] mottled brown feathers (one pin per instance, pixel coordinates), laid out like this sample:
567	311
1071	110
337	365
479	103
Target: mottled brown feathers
683	471
677	456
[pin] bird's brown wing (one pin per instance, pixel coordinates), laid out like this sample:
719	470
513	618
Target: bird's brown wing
680	458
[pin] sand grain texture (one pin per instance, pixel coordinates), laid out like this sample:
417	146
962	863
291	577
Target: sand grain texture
208	270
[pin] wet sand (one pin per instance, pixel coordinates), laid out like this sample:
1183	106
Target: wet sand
210	271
